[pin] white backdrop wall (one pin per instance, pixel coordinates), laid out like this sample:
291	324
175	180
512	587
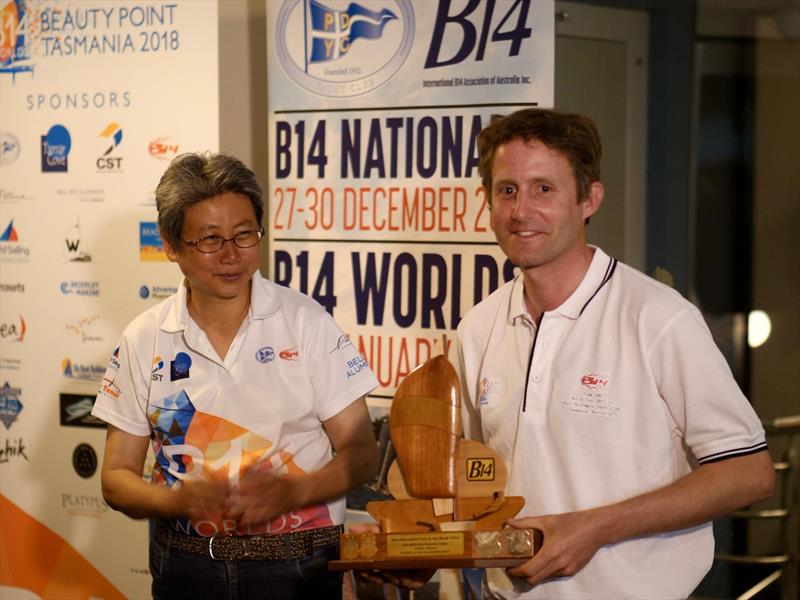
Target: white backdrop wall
97	97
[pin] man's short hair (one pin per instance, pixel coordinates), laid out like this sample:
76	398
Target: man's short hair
191	178
573	135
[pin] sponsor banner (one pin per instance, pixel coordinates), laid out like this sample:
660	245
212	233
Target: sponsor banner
92	112
376	206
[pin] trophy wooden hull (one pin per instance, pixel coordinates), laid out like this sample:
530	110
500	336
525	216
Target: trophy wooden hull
449	508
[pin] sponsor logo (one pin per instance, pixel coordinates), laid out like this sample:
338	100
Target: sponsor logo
74	250
11	197
13	330
84	460
10	288
159	292
56	145
81	371
158	364
112	137
151	247
10	364
342	342
9	145
480	469
15	53
179	368
491	389
113	362
12	449
10	248
265	354
10	405
355	366
595	381
109	388
9	233
289	354
80	288
83	505
76	411
162	148
341	48
83	327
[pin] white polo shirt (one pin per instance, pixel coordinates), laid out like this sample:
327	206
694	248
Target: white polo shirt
288	369
626	392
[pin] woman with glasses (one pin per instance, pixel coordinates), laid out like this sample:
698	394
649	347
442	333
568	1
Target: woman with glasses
247	392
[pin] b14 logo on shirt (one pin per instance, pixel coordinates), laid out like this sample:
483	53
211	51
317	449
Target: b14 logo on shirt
595	381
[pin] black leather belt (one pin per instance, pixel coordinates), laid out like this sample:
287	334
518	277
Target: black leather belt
287	546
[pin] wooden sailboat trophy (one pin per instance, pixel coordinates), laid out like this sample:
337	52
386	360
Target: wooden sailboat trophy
449	509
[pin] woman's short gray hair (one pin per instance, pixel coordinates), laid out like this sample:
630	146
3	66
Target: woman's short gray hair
192	178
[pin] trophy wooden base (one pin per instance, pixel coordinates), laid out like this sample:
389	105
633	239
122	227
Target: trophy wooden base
506	547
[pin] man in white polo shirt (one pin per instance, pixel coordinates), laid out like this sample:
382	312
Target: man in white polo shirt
602	389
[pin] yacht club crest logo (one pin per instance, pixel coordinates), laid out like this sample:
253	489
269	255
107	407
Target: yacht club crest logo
338	48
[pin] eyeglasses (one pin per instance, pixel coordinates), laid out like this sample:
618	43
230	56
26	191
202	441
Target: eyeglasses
215	243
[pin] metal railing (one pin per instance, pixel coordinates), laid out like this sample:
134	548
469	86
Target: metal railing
788	497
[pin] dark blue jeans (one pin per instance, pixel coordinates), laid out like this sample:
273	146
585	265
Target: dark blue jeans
179	576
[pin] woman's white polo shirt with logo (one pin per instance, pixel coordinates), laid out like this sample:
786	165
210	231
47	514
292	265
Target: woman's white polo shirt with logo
288	369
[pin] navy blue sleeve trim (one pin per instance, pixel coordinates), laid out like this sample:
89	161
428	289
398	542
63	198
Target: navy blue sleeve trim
732	453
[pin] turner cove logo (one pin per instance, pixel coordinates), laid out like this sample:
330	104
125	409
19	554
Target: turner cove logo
56	145
338	48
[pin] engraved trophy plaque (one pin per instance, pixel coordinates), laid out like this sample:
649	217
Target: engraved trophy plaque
449	509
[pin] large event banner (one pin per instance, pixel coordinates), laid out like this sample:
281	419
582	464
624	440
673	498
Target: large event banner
97	97
375	204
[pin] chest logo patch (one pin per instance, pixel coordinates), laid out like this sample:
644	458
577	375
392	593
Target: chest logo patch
158	364
595	381
289	354
492	388
265	354
592	398
179	368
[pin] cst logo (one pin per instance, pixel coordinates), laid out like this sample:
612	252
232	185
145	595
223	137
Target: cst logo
480	469
112	135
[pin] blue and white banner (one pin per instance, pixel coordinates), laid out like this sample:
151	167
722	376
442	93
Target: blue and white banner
375	205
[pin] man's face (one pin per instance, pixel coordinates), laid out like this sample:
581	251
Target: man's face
224	274
535	214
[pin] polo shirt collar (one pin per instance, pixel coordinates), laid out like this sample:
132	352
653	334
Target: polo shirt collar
599	272
262	304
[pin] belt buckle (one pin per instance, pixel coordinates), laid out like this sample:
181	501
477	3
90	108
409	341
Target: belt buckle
211	547
244	550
